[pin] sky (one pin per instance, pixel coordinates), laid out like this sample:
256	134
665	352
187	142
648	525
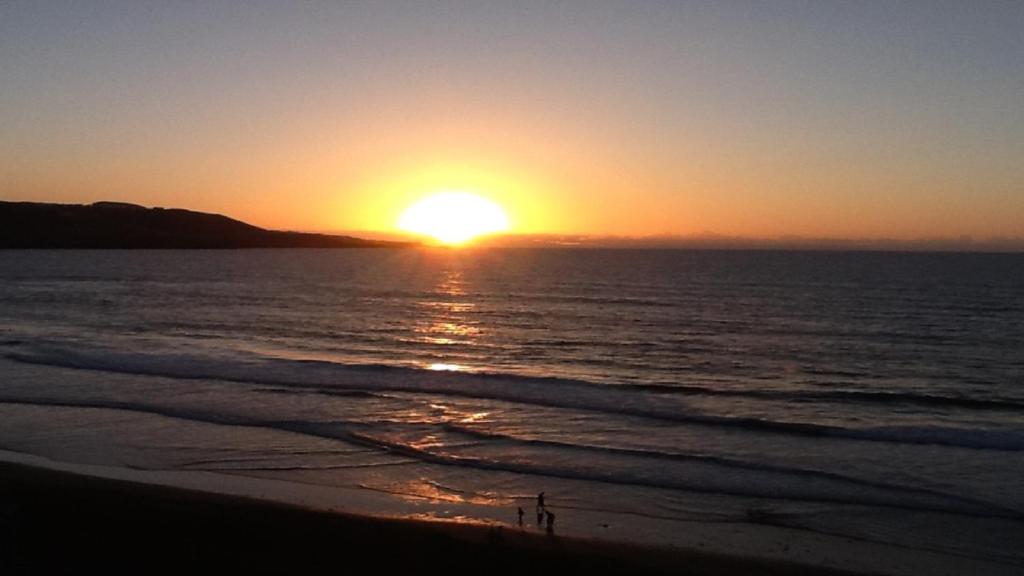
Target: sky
756	119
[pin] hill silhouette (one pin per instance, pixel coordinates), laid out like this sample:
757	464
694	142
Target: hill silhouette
122	225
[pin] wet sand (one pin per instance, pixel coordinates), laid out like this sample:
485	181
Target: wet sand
58	522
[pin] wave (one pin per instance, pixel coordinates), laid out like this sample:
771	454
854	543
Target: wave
749	479
862	396
598	300
797	484
714	460
628	400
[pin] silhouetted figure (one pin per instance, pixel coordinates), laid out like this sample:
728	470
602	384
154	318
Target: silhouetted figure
540	508
551	521
520	515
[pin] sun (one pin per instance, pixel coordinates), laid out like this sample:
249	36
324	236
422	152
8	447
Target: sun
454	218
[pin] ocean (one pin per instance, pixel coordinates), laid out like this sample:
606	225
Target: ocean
655	396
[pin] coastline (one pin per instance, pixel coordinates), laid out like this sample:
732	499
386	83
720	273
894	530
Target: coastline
59	522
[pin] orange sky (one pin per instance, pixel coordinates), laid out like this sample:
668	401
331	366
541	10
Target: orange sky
598	119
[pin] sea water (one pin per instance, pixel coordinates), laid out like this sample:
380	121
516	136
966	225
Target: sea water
872	396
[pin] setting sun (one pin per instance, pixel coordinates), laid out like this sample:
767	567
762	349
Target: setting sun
454	217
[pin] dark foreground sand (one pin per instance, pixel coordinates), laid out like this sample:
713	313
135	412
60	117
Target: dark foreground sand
56	522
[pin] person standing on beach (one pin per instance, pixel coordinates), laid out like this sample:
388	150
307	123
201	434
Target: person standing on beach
540	508
520	515
551	521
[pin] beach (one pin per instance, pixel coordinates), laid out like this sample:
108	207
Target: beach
59	522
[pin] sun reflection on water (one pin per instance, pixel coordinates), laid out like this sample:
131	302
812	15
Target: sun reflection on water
451	414
435	492
442	367
448	319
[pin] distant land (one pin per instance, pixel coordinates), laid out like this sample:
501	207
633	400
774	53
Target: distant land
712	241
121	225
129	226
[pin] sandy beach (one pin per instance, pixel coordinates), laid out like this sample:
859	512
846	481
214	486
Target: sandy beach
57	522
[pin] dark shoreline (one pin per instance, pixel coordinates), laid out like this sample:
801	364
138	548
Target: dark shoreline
55	522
